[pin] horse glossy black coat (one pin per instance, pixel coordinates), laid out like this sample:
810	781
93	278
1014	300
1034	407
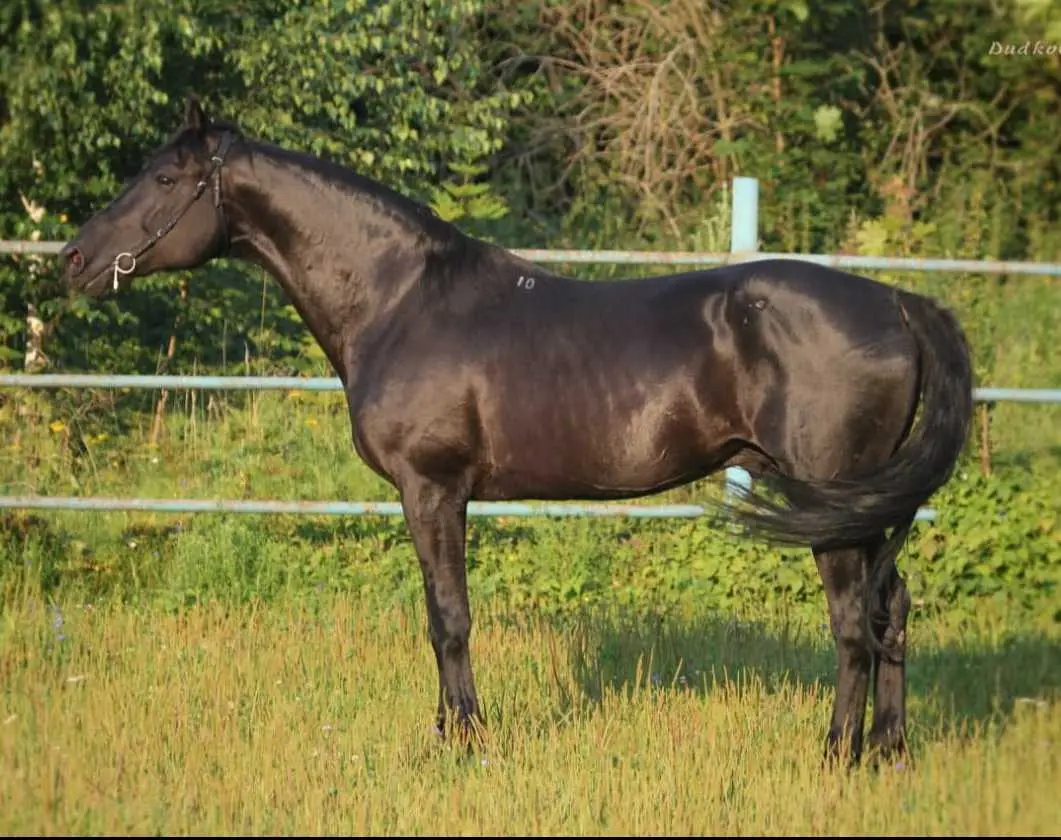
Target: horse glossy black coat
473	374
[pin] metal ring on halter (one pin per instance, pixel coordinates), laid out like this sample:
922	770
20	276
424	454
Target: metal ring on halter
118	266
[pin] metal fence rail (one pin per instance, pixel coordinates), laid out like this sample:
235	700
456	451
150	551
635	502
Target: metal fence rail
705	258
331	508
322	383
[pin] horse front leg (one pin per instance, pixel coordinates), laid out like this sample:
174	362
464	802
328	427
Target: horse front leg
436	516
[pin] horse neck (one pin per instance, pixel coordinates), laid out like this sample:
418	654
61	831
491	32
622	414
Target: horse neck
344	250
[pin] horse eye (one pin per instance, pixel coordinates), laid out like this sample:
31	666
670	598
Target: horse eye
164	180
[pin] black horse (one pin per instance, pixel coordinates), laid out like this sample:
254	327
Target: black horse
472	374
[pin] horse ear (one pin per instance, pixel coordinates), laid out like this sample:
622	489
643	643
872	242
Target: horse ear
194	115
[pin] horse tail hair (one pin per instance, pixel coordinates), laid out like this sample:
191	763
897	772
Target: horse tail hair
856	510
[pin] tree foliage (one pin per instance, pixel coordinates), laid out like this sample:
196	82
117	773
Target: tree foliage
848	113
878	127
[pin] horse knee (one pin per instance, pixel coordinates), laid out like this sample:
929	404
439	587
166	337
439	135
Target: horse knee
451	627
456	631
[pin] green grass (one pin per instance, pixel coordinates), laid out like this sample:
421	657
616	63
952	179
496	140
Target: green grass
255	674
314	717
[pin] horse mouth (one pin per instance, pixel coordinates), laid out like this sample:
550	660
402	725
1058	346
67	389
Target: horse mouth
98	285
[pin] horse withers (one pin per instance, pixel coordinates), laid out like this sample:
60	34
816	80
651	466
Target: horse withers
471	374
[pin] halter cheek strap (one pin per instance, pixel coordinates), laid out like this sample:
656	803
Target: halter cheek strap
125	262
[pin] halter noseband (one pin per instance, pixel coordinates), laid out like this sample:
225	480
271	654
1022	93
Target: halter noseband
217	159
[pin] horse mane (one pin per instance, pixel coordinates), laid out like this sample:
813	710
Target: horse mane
450	252
416	214
454	259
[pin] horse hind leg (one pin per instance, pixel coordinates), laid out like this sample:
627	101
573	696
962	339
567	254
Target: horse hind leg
862	659
887	736
844	573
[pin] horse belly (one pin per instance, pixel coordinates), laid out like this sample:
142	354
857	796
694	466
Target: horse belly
594	449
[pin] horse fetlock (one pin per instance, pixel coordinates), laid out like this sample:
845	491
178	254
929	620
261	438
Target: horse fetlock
887	742
843	743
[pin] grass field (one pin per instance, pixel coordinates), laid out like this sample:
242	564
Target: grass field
314	717
226	674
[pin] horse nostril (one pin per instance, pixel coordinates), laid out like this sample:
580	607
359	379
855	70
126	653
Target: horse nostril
76	261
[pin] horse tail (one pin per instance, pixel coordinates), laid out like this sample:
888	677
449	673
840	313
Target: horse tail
856	510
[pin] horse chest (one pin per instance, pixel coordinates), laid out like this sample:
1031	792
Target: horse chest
367	447
367	432
400	430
